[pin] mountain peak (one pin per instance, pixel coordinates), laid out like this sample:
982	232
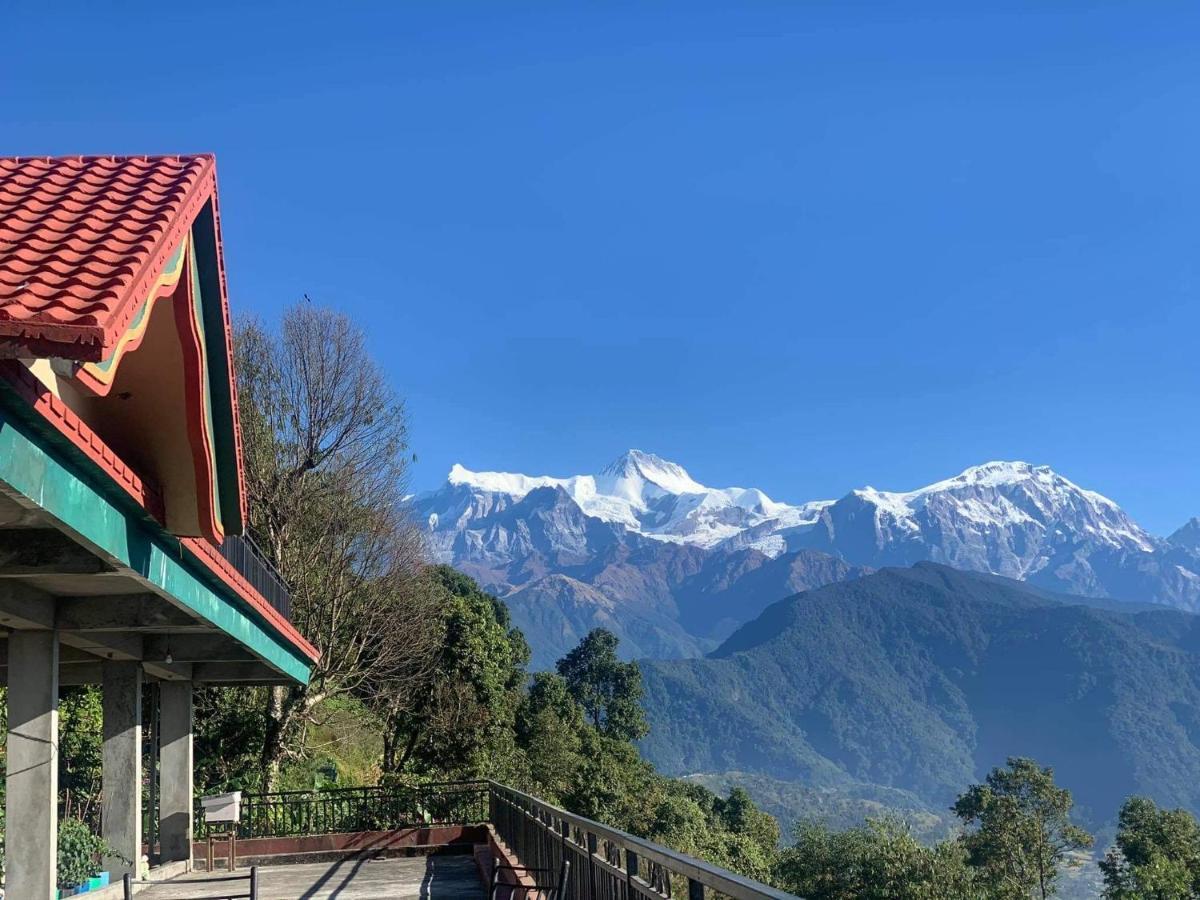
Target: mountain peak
638	465
1187	535
1003	469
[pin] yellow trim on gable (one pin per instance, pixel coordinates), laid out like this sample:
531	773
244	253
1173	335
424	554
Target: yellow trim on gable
99	376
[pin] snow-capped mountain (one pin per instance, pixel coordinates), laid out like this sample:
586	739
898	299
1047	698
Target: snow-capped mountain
670	551
639	491
1007	518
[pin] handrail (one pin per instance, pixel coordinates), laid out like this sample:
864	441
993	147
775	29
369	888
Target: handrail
697	871
240	551
371	788
611	864
356	809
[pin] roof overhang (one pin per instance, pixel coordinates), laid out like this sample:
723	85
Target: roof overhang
77	558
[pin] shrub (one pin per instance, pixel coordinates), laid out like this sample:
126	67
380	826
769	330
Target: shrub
78	852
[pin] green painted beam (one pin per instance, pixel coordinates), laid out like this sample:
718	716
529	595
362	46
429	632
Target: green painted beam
83	504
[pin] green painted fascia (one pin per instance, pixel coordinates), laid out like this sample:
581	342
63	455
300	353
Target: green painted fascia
219	367
219	479
86	506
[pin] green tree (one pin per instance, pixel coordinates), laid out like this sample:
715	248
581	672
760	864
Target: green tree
80	745
325	448
549	728
462	719
1022	830
229	733
610	691
729	832
1156	856
880	860
576	735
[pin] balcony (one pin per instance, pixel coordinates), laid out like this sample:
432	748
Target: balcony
507	831
243	554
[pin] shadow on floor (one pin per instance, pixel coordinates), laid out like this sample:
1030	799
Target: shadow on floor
346	868
443	878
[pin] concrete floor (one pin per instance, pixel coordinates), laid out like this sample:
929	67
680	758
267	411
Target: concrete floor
407	878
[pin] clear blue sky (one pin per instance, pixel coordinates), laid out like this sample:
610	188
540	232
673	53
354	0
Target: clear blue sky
804	247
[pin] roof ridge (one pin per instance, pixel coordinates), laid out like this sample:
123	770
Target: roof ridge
113	157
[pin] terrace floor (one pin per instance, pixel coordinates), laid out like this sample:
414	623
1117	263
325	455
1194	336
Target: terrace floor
406	878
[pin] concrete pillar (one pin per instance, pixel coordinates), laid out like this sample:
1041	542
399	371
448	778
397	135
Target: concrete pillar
31	804
121	774
175	770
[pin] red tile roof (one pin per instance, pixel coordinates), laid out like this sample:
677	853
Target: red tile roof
82	239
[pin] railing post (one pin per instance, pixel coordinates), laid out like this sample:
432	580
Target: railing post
695	889
593	845
631	873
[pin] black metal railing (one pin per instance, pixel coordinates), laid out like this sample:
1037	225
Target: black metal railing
608	864
339	810
605	863
245	556
250	879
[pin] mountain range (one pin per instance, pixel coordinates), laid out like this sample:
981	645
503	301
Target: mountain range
914	681
673	567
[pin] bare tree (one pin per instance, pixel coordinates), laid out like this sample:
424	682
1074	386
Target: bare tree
325	445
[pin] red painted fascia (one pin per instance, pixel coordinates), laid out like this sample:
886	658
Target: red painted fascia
64	420
208	554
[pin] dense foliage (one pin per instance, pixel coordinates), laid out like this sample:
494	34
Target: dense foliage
79	852
880	860
1156	854
610	691
1017	832
1023	830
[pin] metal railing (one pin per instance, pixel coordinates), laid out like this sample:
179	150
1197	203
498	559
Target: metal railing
251	880
604	863
340	810
245	556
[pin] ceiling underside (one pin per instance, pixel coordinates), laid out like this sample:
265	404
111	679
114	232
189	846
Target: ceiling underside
51	579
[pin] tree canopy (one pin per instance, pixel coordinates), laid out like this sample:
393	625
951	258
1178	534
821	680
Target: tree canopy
1156	855
610	691
1022	829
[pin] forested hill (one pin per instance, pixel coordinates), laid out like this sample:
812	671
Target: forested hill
924	678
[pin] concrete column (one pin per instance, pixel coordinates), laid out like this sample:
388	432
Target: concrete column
31	804
175	770
121	810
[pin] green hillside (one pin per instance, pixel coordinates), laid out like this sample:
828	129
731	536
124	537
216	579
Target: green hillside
921	679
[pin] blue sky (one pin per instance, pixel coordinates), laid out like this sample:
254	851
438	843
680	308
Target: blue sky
804	247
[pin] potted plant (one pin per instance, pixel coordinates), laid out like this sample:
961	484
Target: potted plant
79	852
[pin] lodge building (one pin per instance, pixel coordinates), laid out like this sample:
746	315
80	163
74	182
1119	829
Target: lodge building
123	555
